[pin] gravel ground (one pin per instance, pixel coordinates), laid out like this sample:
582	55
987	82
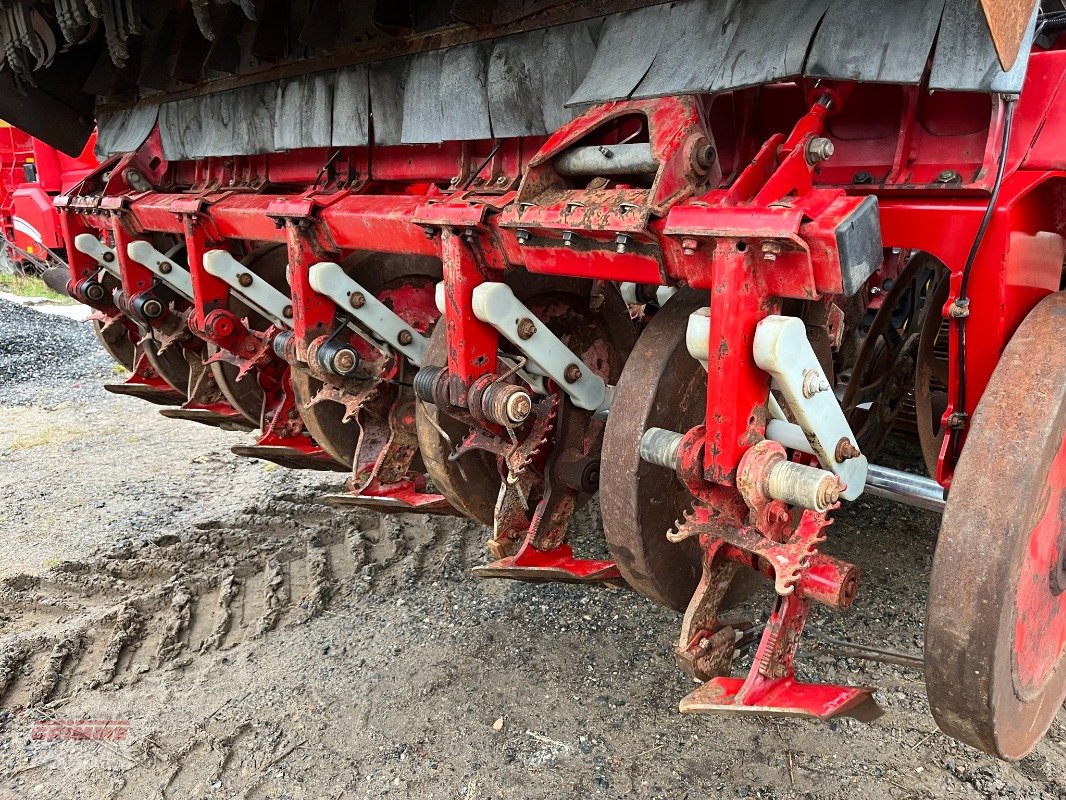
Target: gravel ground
40	354
264	645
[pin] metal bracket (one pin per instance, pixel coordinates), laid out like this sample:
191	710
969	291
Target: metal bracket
169	272
526	372
94	248
267	300
329	279
497	305
781	348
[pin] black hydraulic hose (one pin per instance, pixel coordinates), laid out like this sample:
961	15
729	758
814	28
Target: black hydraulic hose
963	301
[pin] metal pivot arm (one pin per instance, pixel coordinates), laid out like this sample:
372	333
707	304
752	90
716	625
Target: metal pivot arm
497	305
782	349
96	249
329	279
169	272
271	303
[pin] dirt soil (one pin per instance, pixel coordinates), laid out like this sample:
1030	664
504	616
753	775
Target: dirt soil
262	644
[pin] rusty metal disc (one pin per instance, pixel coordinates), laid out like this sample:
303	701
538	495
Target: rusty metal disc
269	263
170	363
662	386
118	343
602	339
406	284
470	483
931	374
996	627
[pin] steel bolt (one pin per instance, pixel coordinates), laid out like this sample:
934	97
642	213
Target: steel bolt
344	361
689	246
705	156
606	152
960	309
94	291
244	279
165	267
357	300
502	180
819	149
152	308
862	178
405	338
771	250
429	230
949	176
846	451
829	491
568	238
621	243
526	328
957	421
519	406
572	373
522	235
109	256
287	312
136	180
814	383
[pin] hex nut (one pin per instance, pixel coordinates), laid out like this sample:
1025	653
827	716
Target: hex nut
819	149
526	328
519	407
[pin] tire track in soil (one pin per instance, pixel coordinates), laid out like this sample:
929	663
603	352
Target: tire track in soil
138	607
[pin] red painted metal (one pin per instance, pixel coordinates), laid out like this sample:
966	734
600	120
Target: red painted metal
744	204
31	175
1039	622
778	197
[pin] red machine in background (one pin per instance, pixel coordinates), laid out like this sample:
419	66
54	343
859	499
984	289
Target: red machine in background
32	174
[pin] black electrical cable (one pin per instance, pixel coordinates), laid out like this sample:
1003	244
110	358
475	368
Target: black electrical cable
963	301
483	164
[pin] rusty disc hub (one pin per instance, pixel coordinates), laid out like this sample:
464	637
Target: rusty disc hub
406	285
996	627
269	263
662	386
602	340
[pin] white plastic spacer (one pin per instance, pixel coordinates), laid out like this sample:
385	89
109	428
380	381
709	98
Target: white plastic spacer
94	248
169	272
329	279
267	300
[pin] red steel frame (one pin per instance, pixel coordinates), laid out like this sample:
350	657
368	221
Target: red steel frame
394	206
739	207
390	209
